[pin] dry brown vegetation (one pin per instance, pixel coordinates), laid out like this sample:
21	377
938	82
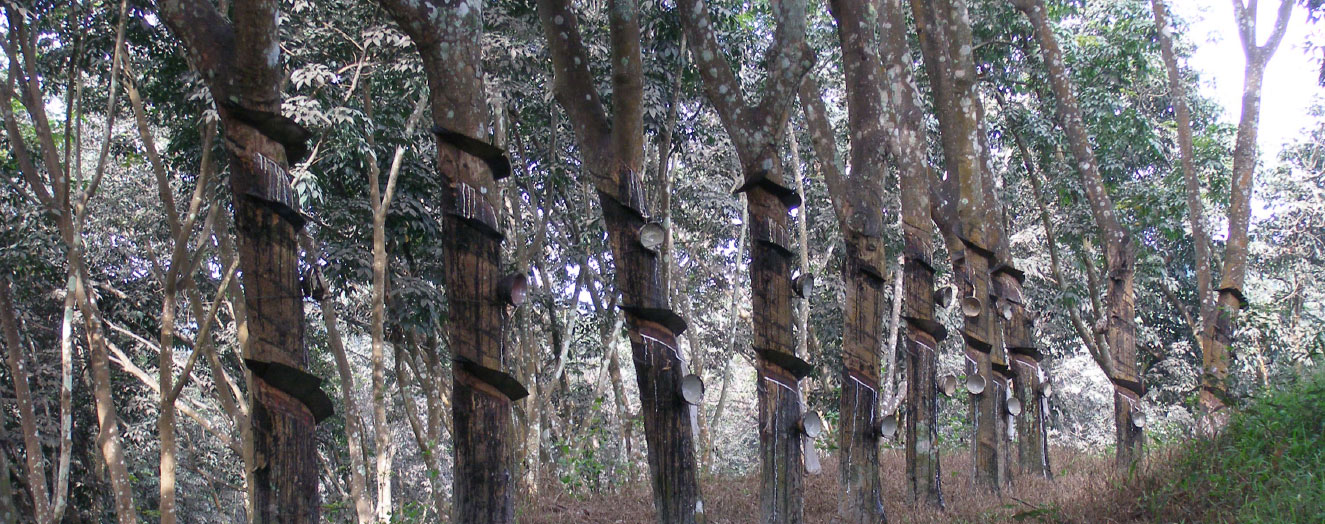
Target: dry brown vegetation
1086	489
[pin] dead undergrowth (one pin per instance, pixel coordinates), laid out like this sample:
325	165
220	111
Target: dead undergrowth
1086	489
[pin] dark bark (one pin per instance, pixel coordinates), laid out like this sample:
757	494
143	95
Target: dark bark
449	40
240	63
858	202
613	154
756	131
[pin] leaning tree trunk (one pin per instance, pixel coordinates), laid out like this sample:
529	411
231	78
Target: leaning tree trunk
755	133
613	150
449	38
1120	312
946	42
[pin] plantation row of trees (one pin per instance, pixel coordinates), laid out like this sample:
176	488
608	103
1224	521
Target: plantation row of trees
385	258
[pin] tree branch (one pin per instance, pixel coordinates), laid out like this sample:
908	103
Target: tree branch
720	82
825	145
208	38
573	84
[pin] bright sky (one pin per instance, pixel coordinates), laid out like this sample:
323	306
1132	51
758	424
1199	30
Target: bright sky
1290	79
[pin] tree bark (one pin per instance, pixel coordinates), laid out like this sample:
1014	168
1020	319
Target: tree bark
756	131
1192	184
379	202
53	193
179	268
967	211
240	63
363	508
861	204
1032	431
613	157
32	451
1120	310
1220	331
449	40
923	332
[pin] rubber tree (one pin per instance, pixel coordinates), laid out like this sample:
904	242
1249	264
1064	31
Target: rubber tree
860	494
449	38
858	201
968	217
1218	308
239	60
755	132
613	158
1119	325
1032	387
909	149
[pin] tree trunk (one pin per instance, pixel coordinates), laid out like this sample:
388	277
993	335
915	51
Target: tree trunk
755	132
32	451
449	39
1220	330
1195	203
858	203
236	59
613	151
69	216
923	332
363	508
179	268
1019	336
946	41
1120	307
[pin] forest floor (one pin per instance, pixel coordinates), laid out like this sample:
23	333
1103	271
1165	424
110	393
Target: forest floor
1267	466
1073	496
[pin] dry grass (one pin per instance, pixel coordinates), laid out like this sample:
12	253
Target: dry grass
1085	490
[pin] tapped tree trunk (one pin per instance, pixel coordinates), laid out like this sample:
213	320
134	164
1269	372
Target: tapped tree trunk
756	131
448	37
923	332
858	204
1120	308
1220	330
965	213
236	59
613	156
